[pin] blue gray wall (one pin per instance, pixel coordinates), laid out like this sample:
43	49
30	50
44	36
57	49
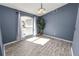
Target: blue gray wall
61	22
26	14
0	44
1	52
8	20
75	44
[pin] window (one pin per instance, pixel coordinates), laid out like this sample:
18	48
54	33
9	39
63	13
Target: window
26	26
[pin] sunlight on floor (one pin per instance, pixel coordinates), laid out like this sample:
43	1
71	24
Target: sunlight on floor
38	40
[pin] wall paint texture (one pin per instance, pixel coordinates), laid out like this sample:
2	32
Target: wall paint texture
75	44
8	24
61	22
0	43
0	52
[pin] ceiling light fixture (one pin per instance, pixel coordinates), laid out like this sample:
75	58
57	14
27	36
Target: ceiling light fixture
41	10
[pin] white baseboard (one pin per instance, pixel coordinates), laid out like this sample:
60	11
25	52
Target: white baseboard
10	43
72	51
58	38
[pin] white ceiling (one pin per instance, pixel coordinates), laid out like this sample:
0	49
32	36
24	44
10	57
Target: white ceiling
33	7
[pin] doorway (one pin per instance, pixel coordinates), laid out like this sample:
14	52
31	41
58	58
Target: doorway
26	26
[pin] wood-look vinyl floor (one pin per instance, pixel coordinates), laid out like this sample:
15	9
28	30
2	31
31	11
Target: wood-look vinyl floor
52	47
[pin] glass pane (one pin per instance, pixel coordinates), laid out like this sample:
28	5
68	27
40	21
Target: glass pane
26	25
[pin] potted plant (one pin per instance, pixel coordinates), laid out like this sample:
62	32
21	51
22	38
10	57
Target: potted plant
41	25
